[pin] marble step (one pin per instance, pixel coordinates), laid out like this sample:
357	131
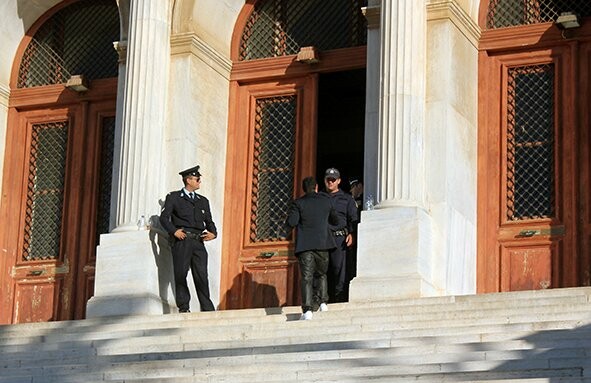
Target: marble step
317	369
419	305
502	349
178	323
524	336
191	339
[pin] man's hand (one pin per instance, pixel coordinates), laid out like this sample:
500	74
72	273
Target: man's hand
349	240
180	234
207	236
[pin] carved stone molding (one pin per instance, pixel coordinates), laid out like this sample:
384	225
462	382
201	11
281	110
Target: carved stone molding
190	43
452	11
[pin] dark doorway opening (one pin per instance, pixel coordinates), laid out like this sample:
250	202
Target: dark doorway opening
341	124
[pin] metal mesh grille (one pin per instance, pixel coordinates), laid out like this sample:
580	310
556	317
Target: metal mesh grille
508	13
280	27
530	142
106	175
45	191
273	170
76	40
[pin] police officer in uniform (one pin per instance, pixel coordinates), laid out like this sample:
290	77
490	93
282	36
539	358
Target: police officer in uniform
186	216
345	206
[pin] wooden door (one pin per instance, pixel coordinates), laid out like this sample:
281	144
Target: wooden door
53	197
271	150
583	105
534	168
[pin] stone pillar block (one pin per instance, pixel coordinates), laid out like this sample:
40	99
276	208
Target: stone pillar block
133	275
393	260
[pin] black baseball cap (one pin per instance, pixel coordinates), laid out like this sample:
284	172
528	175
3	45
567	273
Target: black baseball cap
332	173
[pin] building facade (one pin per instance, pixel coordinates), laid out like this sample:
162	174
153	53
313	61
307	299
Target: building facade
466	119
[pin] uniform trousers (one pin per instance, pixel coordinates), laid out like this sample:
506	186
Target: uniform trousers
337	270
313	266
188	254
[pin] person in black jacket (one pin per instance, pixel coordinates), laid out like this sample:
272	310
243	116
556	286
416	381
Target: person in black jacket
186	216
344	204
311	215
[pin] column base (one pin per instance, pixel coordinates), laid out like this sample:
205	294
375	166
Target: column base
125	305
133	275
394	255
379	289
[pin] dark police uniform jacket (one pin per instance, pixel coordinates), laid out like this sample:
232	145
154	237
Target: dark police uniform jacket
312	214
182	212
345	206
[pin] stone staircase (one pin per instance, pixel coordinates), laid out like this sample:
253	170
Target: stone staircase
531	336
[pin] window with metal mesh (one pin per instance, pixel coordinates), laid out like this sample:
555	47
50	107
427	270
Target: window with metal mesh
281	27
508	13
106	175
273	170
45	191
530	142
77	40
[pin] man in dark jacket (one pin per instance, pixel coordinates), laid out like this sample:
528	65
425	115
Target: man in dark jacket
311	215
343	203
186	216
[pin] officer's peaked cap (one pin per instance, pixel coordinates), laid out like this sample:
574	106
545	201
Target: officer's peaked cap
353	181
194	171
332	173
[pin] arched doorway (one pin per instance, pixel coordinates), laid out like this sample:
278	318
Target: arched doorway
292	61
534	208
58	161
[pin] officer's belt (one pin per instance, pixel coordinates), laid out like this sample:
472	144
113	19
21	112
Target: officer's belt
338	233
192	234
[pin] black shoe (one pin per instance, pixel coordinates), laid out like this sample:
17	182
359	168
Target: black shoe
184	310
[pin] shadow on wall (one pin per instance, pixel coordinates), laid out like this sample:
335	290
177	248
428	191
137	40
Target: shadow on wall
160	242
29	11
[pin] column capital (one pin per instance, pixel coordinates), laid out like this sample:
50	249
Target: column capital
372	14
121	48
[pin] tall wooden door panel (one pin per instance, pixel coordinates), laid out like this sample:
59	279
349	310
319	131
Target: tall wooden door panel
42	264
584	196
52	198
529	191
273	148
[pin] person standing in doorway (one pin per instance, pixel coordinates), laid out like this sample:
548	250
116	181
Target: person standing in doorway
186	216
356	190
345	207
311	215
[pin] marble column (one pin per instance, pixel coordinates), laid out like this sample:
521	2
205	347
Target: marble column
131	275
394	241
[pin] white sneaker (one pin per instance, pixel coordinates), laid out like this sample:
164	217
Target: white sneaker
306	316
323	307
